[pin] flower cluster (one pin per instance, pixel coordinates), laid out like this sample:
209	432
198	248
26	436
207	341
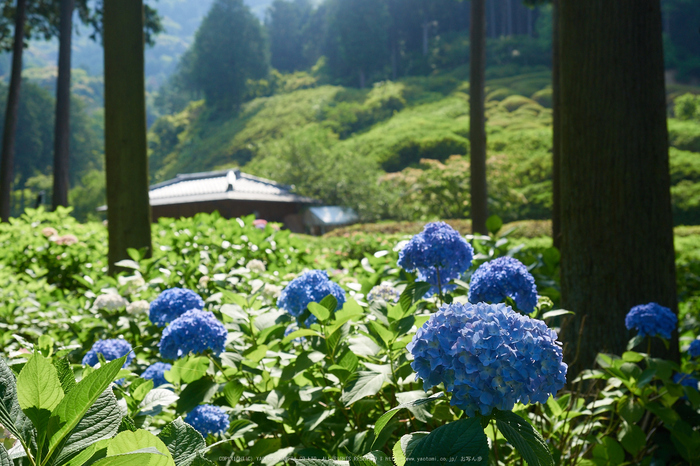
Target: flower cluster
694	349
138	307
172	303
386	292
156	373
651	320
685	380
439	254
309	287
110	350
195	332
488	356
208	419
110	302
503	278
256	265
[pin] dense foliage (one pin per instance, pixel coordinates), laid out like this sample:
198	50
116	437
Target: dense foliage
272	389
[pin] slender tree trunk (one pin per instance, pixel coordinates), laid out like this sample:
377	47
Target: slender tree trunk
492	19
61	158
556	129
7	161
477	120
509	17
426	28
616	223
529	22
129	212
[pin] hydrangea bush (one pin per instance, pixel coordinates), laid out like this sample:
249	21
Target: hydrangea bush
651	320
310	287
156	373
208	419
488	356
439	254
110	349
172	303
194	332
501	278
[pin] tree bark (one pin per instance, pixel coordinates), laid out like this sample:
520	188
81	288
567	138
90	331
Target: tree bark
616	223
7	162
61	160
493	33
126	162
556	129
477	120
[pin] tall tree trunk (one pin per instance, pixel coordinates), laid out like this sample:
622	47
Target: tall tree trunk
477	119
509	17
7	161
556	129
426	29
616	223
129	212
61	158
529	22
493	33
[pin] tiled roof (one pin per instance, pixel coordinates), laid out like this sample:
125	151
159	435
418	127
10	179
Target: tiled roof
221	185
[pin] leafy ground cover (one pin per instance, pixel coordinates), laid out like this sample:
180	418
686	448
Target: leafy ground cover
276	388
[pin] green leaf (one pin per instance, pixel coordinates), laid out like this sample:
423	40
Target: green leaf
556	313
634	342
632	356
386	417
183	441
11	415
255	354
321	312
4	457
412	293
75	404
100	422
632	438
405	446
461	441
131	459
65	374
384	334
233	391
130	442
196	393
366	383
525	438
38	391
277	457
493	224
330	303
265	446
609	452
143	389
194	369
45	345
304	332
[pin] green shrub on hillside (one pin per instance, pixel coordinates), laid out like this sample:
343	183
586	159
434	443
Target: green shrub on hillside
684	135
687	107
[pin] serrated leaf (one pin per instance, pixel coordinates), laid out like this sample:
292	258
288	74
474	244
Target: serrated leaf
330	303
4	457
632	438
609	452
65	374
412	293
304	332
194	369
386	417
11	415
452	443
157	398
366	383
404	447
129	459
321	312
525	438
131	442
75	404
233	391
277	457
636	340
183	441
142	390
38	391
195	393
100	422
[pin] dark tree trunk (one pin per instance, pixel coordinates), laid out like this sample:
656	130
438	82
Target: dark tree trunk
129	212
492	19
61	158
7	161
556	129
477	123
362	79
426	29
617	231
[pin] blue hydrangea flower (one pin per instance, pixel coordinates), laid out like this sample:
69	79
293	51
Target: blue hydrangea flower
193	332
172	303
208	419
685	380
156	373
438	250
488	356
651	320
503	278
694	349
110	349
385	292
309	287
